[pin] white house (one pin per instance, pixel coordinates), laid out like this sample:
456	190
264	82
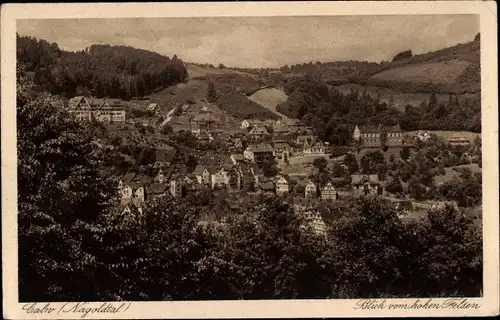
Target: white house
282	186
311	190
328	192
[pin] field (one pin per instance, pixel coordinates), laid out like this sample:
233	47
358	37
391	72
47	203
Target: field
270	98
195	71
446	72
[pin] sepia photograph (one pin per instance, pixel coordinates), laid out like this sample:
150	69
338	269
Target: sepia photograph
250	158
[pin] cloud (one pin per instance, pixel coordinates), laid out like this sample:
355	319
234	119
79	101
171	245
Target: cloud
264	41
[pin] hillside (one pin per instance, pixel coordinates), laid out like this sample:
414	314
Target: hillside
196	71
270	98
99	70
450	70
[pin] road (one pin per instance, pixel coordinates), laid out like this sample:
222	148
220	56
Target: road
168	118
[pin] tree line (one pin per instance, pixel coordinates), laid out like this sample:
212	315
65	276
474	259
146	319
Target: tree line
99	70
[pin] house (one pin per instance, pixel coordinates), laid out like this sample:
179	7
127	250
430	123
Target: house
258	133
125	180
86	109
164	174
259	153
237	158
219	178
205	137
284	138
157	190
165	157
233	179
266	186
204	174
131	209
304	140
248	123
368	136
195	130
423	135
458	140
236	143
282	186
394	136
365	184
153	107
328	192
314	147
311	191
205	120
175	187
282	152
312	218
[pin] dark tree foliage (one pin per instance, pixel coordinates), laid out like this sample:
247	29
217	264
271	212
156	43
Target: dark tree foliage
211	93
62	195
402	55
101	70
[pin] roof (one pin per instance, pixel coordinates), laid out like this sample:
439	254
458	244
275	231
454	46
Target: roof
208	117
304	139
329	185
199	169
268	185
212	169
362	178
394	129
238	157
132	203
261	147
165	155
258	130
310	181
369	129
157	188
152	106
281	145
73	102
279	177
127	177
167	172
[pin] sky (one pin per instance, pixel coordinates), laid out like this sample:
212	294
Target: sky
254	42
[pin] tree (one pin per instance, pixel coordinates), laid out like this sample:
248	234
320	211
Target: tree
320	163
166	129
211	92
351	162
405	153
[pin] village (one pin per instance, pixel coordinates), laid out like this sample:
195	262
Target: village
268	157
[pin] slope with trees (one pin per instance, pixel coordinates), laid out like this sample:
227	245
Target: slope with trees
99	70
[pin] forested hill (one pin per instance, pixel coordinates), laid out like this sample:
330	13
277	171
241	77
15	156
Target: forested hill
100	70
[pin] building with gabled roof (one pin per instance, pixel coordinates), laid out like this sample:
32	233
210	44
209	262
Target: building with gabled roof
258	133
311	190
365	184
259	153
86	109
157	189
165	157
328	192
282	185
